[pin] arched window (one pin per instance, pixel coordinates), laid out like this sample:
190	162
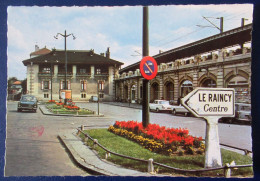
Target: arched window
186	87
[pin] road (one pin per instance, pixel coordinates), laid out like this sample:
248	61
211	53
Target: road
229	134
32	147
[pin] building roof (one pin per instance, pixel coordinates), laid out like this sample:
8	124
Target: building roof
42	51
229	38
73	57
17	82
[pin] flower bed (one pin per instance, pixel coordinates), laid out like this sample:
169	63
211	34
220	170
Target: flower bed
71	108
160	139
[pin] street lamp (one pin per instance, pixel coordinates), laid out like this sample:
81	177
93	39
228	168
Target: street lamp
65	36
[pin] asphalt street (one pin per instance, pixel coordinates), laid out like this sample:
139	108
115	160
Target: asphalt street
32	147
230	134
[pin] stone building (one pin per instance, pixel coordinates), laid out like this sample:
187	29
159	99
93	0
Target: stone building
222	60
87	74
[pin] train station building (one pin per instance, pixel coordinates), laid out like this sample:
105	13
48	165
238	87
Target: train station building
222	61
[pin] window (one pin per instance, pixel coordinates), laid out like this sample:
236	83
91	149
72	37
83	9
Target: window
46	84
101	96
83	95
83	85
46	70
46	95
101	85
82	71
98	71
62	84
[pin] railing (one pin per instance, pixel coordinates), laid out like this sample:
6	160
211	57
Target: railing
102	74
45	73
63	73
227	168
83	74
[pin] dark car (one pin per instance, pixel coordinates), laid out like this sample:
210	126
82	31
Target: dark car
27	102
93	99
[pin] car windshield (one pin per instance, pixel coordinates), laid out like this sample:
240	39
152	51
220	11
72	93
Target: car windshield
164	102
28	98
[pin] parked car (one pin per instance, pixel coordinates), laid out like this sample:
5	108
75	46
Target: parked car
93	99
27	102
160	105
180	110
242	114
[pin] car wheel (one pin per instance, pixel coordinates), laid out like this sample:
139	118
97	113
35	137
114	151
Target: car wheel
19	110
157	110
174	112
35	110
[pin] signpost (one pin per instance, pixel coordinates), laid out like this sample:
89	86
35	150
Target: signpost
148	69
211	104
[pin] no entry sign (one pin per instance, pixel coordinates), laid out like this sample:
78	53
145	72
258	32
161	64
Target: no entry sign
148	67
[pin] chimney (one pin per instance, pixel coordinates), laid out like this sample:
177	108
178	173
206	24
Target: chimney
37	48
108	53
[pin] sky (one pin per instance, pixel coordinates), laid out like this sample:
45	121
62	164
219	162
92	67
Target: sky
119	28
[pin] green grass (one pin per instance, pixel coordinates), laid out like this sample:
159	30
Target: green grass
126	147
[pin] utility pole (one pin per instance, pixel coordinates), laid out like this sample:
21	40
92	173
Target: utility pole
243	22
146	97
221	26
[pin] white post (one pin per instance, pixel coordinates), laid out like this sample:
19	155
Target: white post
227	171
95	143
213	154
85	139
150	166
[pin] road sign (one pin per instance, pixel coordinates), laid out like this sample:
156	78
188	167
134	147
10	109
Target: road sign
148	67
210	102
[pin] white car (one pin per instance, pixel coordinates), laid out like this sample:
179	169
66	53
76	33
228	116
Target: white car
180	110
160	105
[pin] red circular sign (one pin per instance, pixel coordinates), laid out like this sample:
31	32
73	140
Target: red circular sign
148	67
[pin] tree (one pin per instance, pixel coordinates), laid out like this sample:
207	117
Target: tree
24	86
11	80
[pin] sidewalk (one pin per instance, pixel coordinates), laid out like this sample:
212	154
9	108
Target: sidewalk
124	104
45	111
89	161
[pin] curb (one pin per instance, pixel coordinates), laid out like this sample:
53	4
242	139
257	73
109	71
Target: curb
121	105
76	158
71	115
89	161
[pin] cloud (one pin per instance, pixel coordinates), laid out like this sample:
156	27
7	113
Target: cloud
119	28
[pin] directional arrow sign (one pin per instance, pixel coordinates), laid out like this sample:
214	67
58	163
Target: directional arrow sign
210	102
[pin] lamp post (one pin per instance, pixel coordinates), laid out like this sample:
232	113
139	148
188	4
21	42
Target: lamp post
51	81
66	61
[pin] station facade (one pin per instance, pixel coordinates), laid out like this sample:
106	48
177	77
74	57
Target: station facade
220	61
